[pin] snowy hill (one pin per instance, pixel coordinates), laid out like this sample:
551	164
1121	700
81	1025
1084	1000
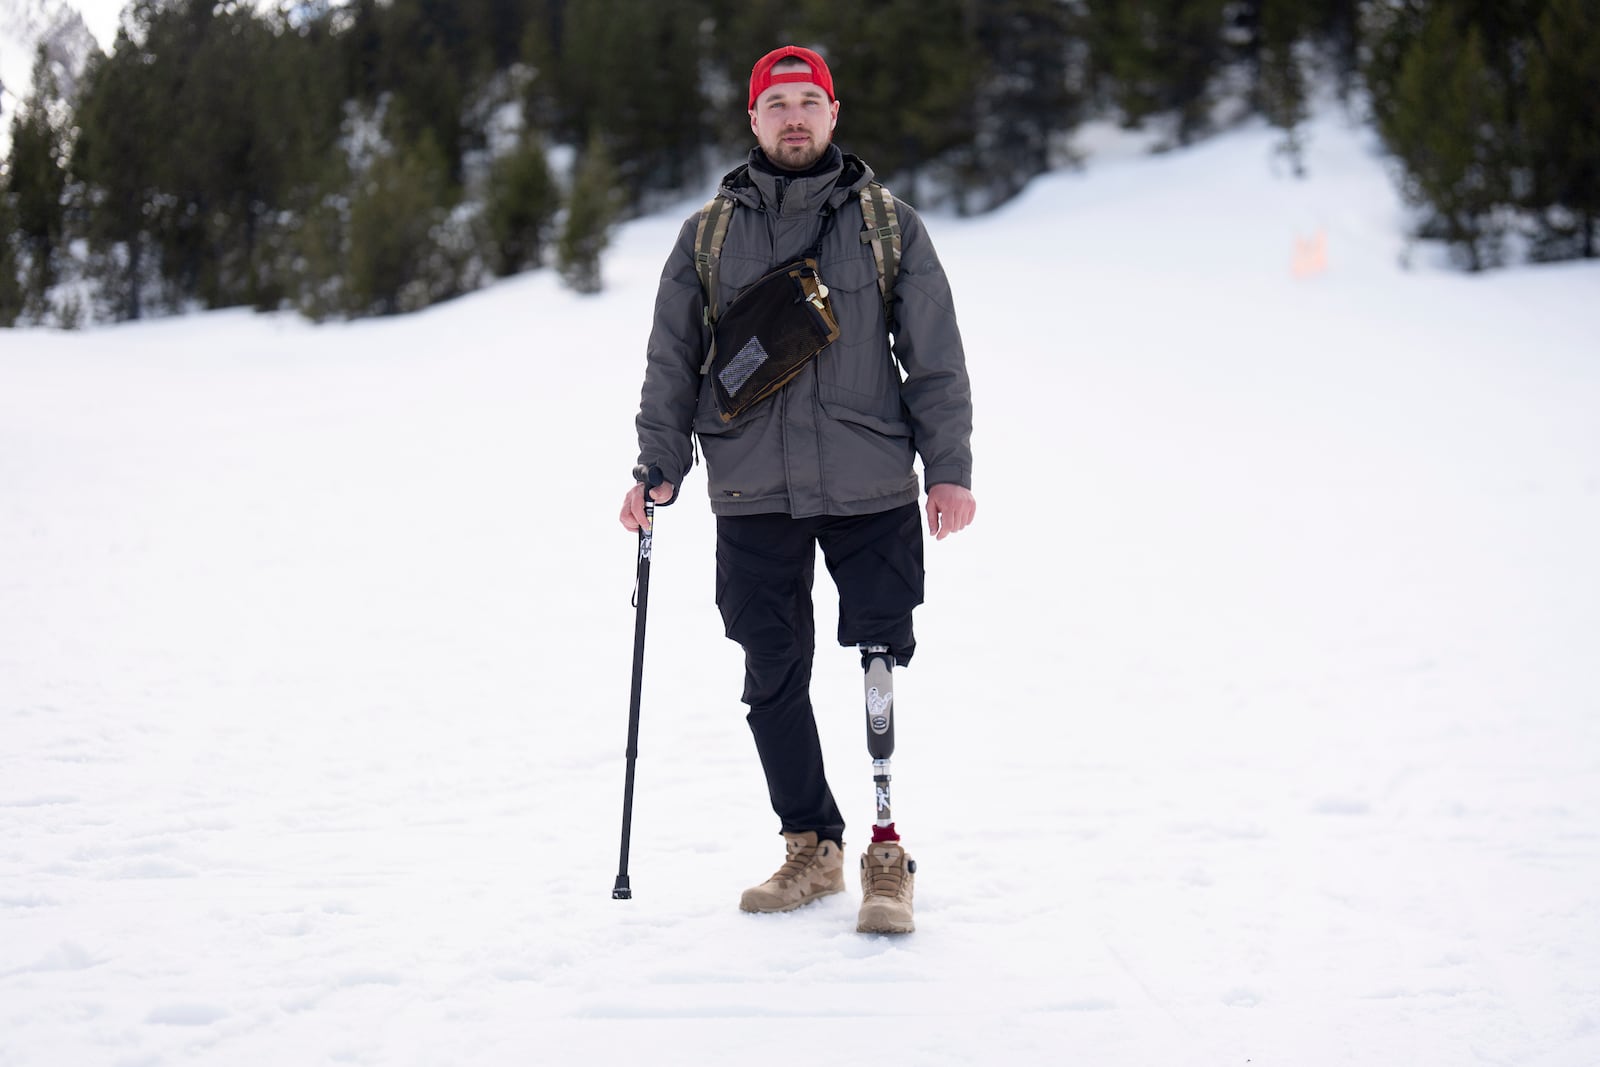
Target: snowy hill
1255	721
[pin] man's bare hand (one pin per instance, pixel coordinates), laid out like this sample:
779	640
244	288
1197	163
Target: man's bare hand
951	509
632	516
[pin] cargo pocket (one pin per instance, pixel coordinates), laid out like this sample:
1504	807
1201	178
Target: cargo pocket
866	456
744	458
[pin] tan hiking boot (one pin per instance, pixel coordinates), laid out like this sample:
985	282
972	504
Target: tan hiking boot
888	877
811	871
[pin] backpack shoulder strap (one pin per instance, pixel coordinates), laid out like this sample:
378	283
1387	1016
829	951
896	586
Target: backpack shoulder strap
709	234
881	230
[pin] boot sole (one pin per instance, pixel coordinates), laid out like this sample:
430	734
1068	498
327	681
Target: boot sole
789	907
877	924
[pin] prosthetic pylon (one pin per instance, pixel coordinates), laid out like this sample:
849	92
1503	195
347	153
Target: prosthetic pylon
878	664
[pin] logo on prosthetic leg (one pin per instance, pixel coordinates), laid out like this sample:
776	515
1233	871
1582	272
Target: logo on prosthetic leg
878	709
879	688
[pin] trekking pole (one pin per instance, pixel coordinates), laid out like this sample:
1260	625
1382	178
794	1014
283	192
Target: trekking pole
650	478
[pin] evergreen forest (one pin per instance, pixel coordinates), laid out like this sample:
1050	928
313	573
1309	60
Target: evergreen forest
370	158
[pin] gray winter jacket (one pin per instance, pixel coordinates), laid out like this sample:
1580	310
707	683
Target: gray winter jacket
839	438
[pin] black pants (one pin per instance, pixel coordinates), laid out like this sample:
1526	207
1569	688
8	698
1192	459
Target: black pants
765	567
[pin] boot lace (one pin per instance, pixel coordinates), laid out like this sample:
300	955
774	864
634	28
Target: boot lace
886	879
797	862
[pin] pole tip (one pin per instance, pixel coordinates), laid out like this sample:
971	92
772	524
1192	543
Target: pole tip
622	891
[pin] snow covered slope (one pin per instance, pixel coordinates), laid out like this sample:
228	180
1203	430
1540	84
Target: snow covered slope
1255	721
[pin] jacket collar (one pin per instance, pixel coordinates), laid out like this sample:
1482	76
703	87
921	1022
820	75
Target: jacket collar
758	187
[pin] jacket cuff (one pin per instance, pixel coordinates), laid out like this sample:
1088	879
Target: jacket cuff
947	474
666	476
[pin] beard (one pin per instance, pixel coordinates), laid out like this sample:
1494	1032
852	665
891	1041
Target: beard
796	156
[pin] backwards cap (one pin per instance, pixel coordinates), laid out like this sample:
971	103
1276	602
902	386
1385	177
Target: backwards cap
762	78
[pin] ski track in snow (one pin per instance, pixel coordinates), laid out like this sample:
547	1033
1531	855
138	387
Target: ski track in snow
1254	722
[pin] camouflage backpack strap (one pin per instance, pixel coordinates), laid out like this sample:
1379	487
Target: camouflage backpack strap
881	230
709	234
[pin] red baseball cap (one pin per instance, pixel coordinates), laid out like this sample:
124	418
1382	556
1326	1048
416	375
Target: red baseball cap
762	78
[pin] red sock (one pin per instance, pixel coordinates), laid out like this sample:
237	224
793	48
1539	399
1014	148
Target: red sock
884	833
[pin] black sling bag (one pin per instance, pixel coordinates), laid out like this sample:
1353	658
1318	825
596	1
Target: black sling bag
768	335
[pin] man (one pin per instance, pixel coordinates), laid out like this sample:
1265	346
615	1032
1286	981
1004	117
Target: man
826	460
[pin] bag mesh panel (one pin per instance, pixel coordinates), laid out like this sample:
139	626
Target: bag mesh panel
739	369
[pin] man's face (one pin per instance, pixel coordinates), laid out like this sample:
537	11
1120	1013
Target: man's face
793	122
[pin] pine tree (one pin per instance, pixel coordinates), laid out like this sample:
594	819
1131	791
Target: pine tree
1158	57
1447	125
907	100
10	282
1336	26
394	263
117	156
228	168
593	205
1281	89
544	99
1562	119
425	64
315	250
297	124
36	182
631	73
1025	97
742	33
521	201
362	49
1389	32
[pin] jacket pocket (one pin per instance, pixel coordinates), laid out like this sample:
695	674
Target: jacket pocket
857	371
735	274
744	459
865	456
843	412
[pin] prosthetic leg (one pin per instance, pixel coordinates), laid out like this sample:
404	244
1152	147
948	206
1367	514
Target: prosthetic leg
879	667
887	873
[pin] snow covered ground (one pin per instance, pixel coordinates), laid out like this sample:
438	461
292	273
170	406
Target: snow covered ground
1256	721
